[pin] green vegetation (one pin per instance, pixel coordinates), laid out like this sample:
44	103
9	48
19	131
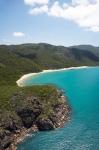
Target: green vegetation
46	94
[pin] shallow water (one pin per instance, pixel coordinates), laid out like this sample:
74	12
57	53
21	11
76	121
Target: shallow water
82	132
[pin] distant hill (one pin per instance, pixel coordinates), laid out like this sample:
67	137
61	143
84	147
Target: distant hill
16	60
88	47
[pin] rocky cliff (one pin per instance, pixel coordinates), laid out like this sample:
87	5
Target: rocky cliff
36	109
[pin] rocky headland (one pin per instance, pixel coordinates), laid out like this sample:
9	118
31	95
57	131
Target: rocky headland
32	109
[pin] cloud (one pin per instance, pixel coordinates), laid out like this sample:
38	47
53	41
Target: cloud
83	2
84	13
18	34
32	2
39	10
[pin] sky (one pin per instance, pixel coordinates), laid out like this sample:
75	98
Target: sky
57	22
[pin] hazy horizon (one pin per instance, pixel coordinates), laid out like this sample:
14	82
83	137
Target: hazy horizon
50	44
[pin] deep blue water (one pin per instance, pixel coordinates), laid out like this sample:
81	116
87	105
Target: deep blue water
82	132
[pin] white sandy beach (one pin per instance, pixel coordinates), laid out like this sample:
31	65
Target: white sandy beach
24	77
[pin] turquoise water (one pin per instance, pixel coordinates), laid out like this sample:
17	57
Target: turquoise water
82	132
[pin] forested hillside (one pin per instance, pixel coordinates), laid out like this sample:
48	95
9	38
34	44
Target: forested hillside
16	60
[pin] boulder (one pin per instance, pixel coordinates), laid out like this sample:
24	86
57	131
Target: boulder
45	124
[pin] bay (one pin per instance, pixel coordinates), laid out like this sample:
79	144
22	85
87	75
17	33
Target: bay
82	131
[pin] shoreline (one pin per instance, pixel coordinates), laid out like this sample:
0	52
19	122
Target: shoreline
21	135
24	77
24	132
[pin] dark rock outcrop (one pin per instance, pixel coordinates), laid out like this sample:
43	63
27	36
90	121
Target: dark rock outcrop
44	124
27	116
45	112
6	142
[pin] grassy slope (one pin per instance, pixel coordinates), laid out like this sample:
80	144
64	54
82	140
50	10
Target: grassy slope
46	94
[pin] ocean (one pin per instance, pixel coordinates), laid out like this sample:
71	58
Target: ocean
81	86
